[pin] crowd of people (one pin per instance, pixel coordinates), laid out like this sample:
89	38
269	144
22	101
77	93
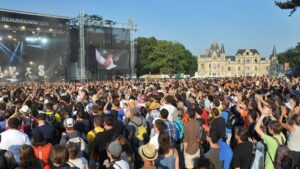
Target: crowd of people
209	123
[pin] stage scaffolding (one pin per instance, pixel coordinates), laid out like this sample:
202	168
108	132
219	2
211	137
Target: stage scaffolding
78	69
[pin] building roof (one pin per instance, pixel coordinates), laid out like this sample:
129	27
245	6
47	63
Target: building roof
241	51
222	48
213	48
232	58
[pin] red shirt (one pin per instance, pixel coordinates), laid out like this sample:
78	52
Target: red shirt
43	153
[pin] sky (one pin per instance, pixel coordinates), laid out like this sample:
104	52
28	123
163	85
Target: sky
239	24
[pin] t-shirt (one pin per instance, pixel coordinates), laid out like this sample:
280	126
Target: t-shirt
214	156
154	141
171	109
120	164
271	148
224	115
12	140
81	163
191	131
242	155
48	132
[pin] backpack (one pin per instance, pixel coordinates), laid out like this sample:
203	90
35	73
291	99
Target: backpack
179	130
281	154
78	141
231	119
140	130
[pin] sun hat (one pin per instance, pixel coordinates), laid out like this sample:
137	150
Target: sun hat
148	152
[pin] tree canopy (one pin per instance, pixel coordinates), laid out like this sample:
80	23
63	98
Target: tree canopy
166	57
291	56
291	4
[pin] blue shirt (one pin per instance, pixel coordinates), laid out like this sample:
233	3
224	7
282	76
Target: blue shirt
225	154
171	129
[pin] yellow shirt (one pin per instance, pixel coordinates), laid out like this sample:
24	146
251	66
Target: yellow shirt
57	116
91	134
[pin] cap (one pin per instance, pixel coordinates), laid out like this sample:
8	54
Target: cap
115	149
69	122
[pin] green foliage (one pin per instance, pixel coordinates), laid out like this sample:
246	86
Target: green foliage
166	57
291	56
292	4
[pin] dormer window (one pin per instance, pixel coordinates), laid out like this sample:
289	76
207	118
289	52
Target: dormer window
247	53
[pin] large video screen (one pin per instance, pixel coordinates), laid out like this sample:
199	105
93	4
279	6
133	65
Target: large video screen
111	47
112	58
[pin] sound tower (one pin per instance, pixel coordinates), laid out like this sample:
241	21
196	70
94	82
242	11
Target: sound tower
90	55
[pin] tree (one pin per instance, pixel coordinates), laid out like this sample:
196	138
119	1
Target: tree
292	4
291	56
166	57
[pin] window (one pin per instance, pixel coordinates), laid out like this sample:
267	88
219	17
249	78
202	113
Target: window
247	61
209	65
229	68
239	69
255	60
267	67
247	68
247	53
239	61
202	66
218	66
255	68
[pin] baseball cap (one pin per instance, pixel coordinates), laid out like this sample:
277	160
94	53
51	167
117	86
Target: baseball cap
115	148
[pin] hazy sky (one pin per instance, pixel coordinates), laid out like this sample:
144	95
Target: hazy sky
195	23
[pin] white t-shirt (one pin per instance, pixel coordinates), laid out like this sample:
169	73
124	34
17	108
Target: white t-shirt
154	141
171	109
12	140
120	164
81	162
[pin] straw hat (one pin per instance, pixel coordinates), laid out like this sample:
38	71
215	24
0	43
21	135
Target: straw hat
148	152
154	105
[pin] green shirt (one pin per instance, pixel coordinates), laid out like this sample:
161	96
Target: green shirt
271	148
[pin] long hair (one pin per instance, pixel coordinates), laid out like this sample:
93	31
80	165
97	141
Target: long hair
164	143
28	158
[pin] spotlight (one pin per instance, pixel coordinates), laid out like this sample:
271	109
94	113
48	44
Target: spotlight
5	26
38	29
5	72
50	29
31	62
44	40
0	38
33	32
9	36
23	27
15	39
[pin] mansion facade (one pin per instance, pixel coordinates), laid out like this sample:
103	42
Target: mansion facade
246	62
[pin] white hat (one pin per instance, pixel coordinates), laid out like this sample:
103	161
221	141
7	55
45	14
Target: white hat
24	109
69	122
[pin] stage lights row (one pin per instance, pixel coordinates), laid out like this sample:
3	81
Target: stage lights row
23	28
43	40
